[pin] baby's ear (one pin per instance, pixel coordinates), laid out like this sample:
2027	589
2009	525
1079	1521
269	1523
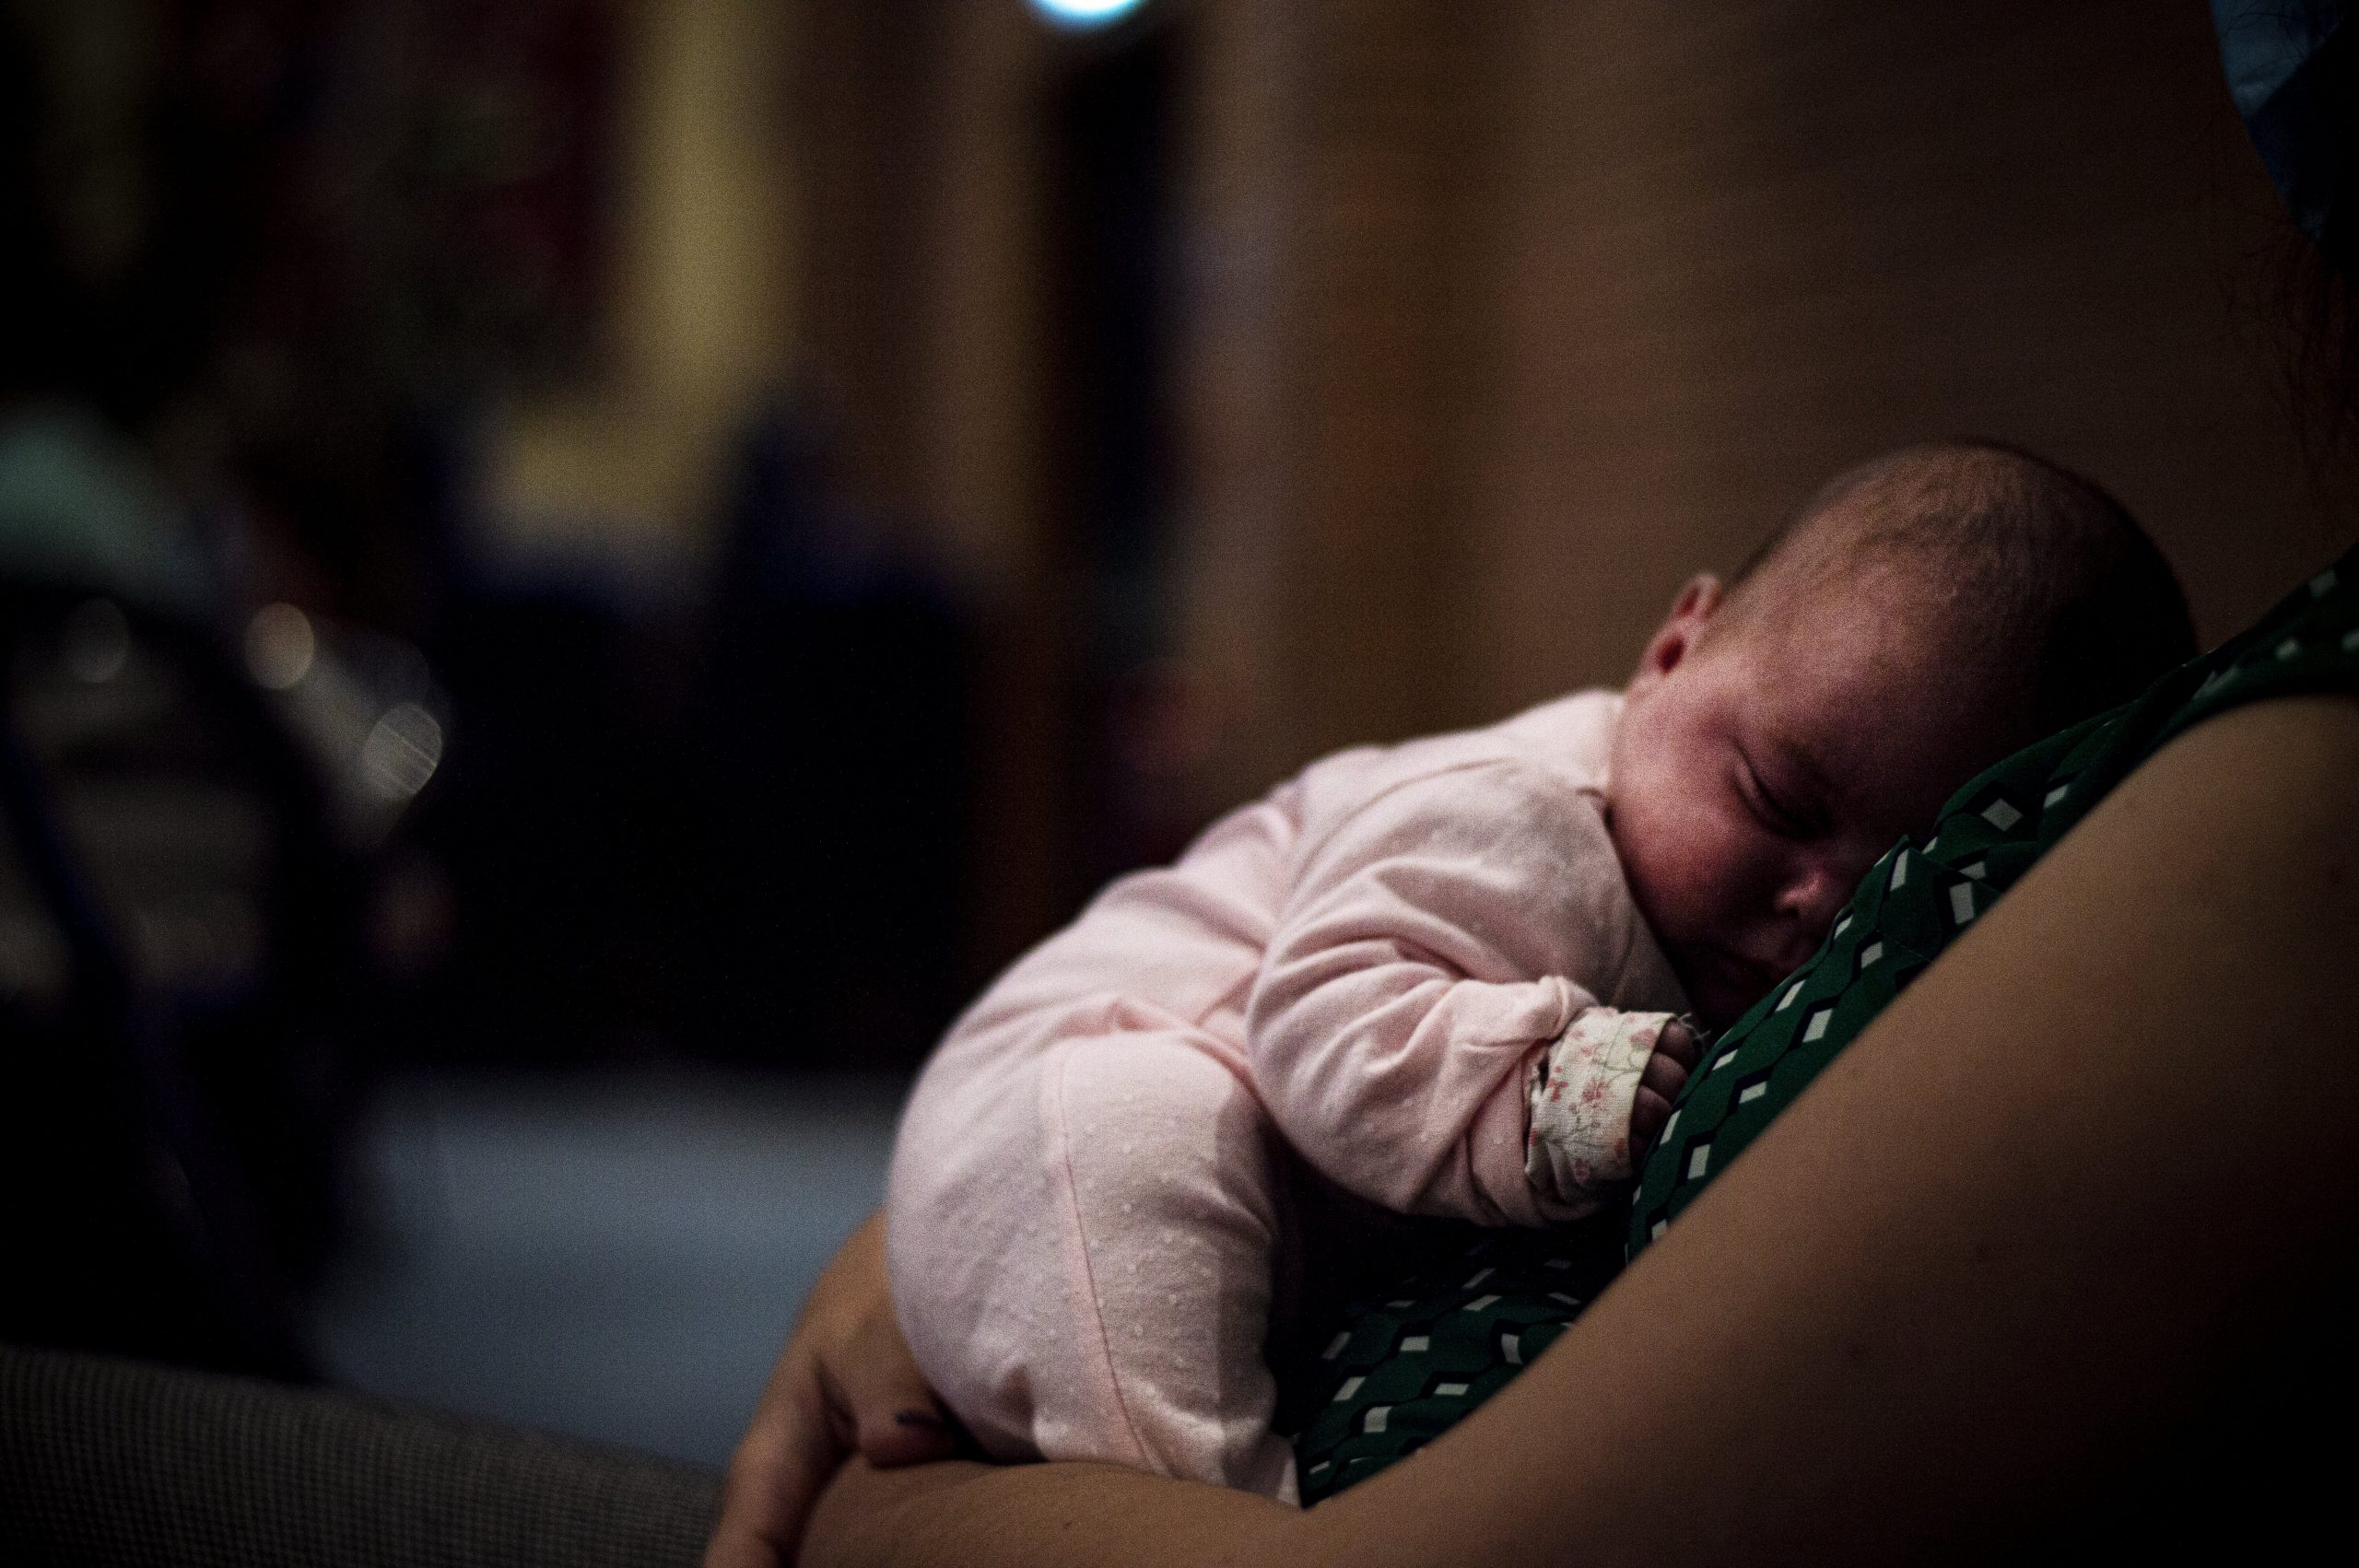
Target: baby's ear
1699	598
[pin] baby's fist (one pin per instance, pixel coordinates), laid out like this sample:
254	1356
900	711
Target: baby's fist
1665	1074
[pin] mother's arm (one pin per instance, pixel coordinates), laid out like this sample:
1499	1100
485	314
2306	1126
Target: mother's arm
2047	1201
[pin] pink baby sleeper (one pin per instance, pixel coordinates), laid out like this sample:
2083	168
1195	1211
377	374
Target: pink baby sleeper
1378	969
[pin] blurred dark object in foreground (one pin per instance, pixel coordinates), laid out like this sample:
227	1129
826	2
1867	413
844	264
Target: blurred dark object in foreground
180	942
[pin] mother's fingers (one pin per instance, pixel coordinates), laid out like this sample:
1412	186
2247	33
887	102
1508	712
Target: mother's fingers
845	1379
875	1385
788	1452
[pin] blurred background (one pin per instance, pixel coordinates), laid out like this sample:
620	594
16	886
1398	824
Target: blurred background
575	575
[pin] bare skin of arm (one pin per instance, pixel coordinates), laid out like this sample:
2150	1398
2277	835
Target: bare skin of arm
2042	1206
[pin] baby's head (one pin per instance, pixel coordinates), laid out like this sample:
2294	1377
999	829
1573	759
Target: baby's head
1926	614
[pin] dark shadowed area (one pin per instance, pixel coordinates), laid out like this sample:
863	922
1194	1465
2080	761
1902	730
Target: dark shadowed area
576	576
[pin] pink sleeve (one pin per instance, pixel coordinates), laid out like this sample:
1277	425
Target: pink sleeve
1437	935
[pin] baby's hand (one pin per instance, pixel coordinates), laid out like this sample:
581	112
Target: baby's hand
1666	1071
1599	1094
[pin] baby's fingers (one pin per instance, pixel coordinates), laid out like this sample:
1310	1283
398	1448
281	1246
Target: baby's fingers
1649	1112
1678	1042
1659	1082
1665	1073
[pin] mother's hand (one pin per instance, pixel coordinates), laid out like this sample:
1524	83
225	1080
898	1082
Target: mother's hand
844	1382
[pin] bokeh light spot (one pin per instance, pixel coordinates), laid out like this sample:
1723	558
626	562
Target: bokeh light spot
402	752
279	646
1084	13
96	642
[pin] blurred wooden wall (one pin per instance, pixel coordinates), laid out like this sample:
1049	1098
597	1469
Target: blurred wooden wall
1494	323
1749	244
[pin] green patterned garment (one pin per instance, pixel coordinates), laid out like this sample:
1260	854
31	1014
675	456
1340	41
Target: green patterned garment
1406	1369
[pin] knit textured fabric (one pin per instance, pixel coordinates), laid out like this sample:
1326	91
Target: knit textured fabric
118	1464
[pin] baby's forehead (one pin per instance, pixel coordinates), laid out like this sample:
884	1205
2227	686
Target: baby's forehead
1941	511
1877	540
1882	642
1896	601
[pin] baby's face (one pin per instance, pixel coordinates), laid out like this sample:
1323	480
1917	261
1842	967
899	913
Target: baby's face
1759	770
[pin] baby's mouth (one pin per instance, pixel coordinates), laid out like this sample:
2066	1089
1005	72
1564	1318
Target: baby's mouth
1739	981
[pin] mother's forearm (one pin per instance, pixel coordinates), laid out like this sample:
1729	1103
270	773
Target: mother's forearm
973	1515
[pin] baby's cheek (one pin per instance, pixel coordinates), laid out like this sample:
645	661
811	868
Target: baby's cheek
1675	890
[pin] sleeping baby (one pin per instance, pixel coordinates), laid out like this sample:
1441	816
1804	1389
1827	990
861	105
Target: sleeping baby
1464	976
